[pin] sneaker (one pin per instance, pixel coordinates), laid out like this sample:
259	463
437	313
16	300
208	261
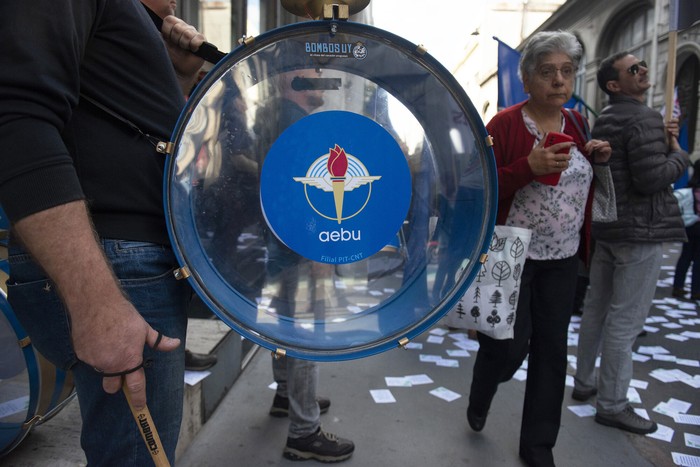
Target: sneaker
321	446
583	395
627	420
199	361
280	406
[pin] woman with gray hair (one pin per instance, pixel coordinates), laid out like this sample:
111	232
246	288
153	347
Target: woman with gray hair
547	189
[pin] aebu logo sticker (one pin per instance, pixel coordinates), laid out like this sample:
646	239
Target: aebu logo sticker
330	173
335	187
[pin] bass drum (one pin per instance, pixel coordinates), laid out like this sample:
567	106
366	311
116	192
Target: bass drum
32	390
306	179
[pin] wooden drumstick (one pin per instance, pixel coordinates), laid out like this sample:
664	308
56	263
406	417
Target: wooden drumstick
148	431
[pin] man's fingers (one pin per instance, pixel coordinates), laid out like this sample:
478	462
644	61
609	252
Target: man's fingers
111	384
160	342
136	383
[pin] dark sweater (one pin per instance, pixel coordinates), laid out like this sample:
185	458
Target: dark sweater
643	170
57	147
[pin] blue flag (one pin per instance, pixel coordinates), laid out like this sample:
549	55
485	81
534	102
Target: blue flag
683	14
510	88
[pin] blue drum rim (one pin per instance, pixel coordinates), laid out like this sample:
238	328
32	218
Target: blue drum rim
32	369
458	94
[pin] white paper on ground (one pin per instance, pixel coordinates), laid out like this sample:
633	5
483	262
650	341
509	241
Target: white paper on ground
663	432
445	394
685	460
586	410
382	396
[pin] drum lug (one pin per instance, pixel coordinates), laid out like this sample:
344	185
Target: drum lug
182	273
279	353
164	147
489	140
31	422
483	258
246	40
421	49
403	342
24	342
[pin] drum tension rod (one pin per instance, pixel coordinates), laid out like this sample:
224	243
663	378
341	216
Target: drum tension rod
279	353
182	273
164	147
403	342
31	422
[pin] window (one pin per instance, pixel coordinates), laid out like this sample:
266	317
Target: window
634	33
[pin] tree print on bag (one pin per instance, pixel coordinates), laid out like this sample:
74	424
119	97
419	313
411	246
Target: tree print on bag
500	272
475	313
496	286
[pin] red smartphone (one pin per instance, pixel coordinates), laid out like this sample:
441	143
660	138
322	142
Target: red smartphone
551	139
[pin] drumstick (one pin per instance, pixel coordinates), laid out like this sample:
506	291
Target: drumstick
148	431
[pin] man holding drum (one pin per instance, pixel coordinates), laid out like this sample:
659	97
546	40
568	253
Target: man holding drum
87	88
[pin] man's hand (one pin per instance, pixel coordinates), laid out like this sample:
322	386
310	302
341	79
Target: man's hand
108	333
672	132
601	150
115	344
181	39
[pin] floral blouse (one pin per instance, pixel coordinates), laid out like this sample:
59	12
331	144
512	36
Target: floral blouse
553	213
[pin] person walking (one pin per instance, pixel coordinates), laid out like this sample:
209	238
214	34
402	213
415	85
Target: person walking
558	213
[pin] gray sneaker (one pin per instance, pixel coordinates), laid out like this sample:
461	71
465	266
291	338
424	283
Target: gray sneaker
627	420
321	446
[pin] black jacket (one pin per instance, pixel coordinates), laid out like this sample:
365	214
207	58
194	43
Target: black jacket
643	170
56	146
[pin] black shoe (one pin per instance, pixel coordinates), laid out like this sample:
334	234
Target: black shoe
198	361
280	406
537	457
321	446
584	394
476	421
678	293
627	420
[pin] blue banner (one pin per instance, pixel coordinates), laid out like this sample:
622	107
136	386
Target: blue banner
683	14
510	88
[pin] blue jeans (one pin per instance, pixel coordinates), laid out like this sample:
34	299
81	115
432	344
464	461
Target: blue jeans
109	433
297	380
623	283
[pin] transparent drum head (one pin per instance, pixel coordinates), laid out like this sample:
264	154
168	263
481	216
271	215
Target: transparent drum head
330	190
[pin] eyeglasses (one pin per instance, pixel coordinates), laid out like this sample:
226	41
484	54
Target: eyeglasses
547	72
634	69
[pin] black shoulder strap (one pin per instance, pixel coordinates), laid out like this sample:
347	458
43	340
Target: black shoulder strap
585	132
152	139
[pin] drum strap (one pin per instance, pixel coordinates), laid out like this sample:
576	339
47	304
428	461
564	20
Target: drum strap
151	139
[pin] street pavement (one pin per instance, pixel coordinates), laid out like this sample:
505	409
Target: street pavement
426	425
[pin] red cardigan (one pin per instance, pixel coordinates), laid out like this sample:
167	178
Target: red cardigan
512	144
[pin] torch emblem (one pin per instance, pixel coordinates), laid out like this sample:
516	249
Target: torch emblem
337	172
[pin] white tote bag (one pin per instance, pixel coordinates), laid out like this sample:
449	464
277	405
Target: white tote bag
490	302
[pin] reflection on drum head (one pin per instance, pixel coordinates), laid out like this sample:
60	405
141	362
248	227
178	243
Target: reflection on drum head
312	171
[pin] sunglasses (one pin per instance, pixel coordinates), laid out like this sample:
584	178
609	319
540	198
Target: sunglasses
634	69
